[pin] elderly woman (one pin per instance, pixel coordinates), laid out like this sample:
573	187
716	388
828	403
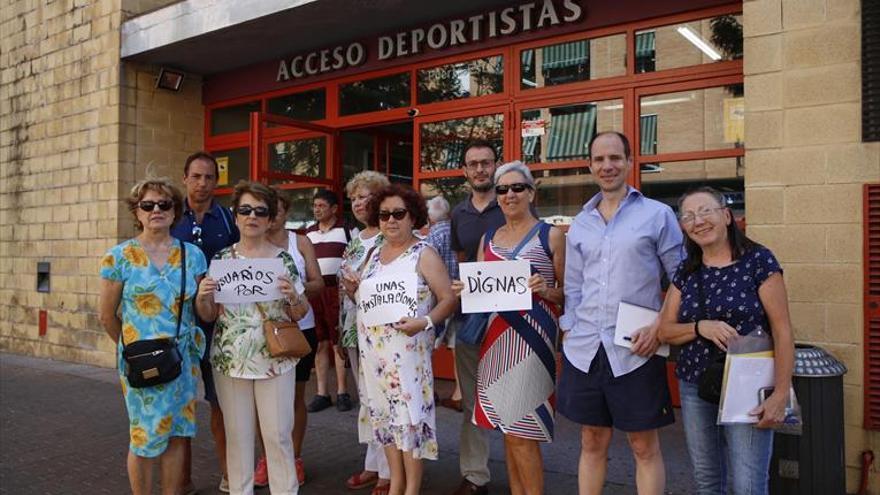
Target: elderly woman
360	190
396	358
253	387
727	286
439	237
144	275
525	415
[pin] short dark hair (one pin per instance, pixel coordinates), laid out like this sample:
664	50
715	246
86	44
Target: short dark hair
478	143
201	155
327	195
627	149
260	191
739	243
413	201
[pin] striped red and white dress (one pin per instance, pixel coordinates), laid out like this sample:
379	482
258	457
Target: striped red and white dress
516	376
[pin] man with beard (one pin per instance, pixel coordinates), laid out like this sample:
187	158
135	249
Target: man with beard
470	220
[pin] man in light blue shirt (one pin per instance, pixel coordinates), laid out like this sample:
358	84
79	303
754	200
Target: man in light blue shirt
618	249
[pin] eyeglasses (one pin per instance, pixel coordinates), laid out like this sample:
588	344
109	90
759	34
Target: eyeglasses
163	205
703	213
246	210
397	214
475	164
518	187
197	236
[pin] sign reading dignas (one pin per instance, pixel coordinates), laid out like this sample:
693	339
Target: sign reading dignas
502	22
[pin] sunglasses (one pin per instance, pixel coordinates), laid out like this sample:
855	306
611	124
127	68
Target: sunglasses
519	187
197	236
163	205
397	214
260	211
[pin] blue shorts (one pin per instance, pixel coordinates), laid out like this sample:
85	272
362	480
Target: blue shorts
636	401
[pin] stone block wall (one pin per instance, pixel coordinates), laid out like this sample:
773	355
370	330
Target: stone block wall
805	167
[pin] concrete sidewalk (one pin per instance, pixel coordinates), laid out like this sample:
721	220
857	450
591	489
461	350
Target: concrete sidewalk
64	430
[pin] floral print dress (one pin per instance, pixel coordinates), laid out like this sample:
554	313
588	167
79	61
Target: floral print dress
352	259
239	347
150	300
396	372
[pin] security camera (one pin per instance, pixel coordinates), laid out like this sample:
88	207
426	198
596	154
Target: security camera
413	112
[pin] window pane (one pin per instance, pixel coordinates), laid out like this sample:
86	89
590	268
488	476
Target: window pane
232	119
692	43
299	215
562	193
667	181
299	157
563	133
480	77
234	166
382	93
698	120
451	188
309	105
443	142
573	61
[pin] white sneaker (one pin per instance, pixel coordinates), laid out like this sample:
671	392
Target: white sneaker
224	485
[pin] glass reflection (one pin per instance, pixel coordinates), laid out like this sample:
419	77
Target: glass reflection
692	43
443	143
473	78
563	133
573	61
233	119
381	93
299	157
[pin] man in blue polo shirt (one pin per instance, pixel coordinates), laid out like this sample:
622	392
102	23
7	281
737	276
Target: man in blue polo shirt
210	226
470	220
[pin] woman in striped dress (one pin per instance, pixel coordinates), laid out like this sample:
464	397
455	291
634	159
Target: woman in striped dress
516	376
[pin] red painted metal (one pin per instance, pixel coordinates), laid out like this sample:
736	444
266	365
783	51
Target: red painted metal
44	322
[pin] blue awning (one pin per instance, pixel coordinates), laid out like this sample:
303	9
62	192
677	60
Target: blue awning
645	44
570	135
566	55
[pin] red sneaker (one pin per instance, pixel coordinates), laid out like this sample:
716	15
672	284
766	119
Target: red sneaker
300	471
261	474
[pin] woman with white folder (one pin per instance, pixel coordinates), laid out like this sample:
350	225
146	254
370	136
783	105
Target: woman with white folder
727	286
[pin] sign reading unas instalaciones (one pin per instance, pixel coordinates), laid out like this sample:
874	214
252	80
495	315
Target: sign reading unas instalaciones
493	24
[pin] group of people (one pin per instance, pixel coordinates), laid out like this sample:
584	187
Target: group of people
620	248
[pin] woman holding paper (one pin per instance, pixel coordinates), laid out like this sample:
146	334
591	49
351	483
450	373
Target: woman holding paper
521	344
727	286
252	386
395	358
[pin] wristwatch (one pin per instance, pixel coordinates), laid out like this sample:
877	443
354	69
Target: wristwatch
430	325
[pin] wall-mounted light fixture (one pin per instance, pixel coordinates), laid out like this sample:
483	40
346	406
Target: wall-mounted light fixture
169	79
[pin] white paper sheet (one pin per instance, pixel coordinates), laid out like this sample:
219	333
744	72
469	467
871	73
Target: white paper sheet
743	378
631	318
387	298
495	286
247	280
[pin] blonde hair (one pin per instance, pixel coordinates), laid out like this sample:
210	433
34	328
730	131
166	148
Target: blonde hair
369	179
161	185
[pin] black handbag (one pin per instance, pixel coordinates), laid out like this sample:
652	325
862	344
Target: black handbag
709	386
156	361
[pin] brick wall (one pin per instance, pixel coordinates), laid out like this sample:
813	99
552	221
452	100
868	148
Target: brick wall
804	173
77	128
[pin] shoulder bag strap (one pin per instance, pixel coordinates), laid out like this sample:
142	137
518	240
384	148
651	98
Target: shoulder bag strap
182	286
525	240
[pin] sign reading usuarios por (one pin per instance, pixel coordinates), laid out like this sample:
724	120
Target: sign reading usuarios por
387	298
495	286
246	280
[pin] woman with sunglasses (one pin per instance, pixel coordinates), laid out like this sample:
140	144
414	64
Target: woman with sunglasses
143	274
521	342
253	387
395	359
360	190
727	286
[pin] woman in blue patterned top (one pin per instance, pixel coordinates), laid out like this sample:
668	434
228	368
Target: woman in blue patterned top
727	286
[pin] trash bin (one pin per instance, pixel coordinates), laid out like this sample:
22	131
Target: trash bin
812	462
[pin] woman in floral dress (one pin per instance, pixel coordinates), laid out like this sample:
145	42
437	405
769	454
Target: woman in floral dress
253	387
360	189
396	358
143	275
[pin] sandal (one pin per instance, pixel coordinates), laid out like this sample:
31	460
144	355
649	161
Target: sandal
361	480
381	489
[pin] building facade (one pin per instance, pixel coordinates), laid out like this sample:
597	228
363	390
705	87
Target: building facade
761	99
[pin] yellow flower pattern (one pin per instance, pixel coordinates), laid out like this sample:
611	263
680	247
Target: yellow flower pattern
149	311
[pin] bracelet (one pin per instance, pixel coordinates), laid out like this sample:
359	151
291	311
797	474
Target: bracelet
697	328
430	324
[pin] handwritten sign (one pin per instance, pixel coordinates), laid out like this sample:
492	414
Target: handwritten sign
495	286
387	298
247	280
